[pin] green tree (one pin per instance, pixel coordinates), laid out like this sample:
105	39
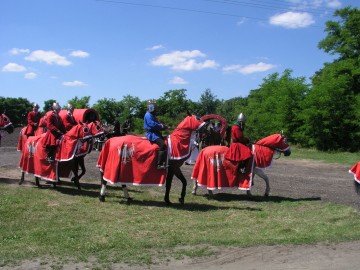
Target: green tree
16	109
275	106
79	103
109	110
208	102
230	109
332	107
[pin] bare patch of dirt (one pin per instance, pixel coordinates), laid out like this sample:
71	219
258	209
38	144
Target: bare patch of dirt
290	179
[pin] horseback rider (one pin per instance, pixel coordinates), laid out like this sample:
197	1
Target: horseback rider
33	119
69	119
237	136
55	129
153	129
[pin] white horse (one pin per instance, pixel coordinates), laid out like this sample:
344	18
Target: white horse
214	171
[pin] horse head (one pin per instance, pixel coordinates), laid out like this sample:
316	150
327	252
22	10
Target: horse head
79	131
277	142
6	124
96	128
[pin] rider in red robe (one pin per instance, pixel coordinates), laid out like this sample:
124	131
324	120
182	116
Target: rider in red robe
33	119
55	129
237	136
69	120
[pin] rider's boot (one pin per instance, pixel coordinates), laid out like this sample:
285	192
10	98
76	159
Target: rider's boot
161	160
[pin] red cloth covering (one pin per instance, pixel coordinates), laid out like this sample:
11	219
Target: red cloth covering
33	159
213	171
264	149
238	152
130	160
237	135
70	144
179	140
22	139
42	126
355	170
55	128
67	119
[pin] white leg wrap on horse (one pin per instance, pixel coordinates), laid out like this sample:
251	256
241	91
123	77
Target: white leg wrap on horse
103	190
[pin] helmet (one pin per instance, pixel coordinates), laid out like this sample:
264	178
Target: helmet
35	105
241	117
70	107
56	106
151	105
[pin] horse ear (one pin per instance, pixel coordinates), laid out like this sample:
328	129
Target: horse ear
188	113
282	133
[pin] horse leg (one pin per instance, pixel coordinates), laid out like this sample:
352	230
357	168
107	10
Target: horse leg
126	193
263	175
22	178
182	178
195	187
103	188
37	182
75	169
169	178
211	194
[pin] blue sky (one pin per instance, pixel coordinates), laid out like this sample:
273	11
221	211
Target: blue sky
59	49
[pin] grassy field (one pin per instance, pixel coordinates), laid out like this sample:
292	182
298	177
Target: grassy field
62	225
329	157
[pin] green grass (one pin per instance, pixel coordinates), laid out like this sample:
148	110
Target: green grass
66	225
329	157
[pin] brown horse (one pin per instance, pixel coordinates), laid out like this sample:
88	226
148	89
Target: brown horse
132	160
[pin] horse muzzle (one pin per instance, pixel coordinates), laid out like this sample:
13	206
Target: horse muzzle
287	153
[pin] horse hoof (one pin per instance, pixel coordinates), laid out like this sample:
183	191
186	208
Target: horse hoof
168	203
129	200
102	198
181	201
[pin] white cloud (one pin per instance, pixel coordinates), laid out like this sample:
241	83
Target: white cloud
156	47
292	20
15	51
80	54
241	21
177	80
333	3
252	68
30	75
74	83
184	61
48	57
13	67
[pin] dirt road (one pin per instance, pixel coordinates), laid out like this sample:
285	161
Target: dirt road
289	179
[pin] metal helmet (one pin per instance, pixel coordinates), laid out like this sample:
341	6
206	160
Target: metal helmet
70	107
35	105
56	106
241	117
151	105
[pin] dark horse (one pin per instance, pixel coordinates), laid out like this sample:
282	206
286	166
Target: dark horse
131	160
355	170
5	124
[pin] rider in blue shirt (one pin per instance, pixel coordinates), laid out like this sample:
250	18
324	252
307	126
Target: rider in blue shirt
153	133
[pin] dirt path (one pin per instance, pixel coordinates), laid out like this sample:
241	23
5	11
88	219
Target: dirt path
289	179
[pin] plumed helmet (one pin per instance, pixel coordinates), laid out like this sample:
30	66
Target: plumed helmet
35	105
151	105
241	117
56	106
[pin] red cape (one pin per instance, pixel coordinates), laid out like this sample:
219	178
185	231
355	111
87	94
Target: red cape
355	170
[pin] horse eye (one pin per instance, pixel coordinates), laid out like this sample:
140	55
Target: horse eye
86	130
5	119
97	127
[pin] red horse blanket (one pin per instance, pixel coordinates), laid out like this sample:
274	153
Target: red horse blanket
130	160
33	159
355	170
217	166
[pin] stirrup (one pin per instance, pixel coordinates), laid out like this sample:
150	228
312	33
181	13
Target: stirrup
161	167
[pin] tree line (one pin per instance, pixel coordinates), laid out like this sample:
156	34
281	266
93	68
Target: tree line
323	113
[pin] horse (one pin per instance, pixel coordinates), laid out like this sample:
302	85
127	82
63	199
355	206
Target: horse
6	125
217	167
132	160
34	157
212	136
355	170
